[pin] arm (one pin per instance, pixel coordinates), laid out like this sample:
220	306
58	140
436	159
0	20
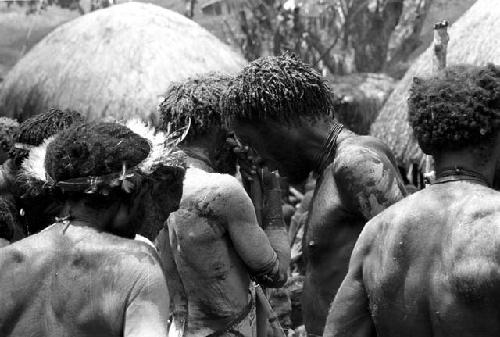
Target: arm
266	252
367	180
148	304
349	313
174	282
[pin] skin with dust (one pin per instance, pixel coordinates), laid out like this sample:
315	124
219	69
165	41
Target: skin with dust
82	282
427	266
361	182
215	241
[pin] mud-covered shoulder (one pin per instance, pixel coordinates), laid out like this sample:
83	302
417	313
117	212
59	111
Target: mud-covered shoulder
359	149
138	254
212	194
366	176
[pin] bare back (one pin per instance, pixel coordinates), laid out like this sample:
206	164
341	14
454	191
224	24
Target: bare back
80	283
433	265
216	244
214	276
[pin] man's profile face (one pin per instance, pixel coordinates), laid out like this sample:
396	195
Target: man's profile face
277	144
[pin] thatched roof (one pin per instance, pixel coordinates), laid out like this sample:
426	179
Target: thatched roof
473	39
113	63
359	98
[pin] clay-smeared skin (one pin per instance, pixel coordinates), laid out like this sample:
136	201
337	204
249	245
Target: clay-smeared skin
216	242
81	283
427	266
361	182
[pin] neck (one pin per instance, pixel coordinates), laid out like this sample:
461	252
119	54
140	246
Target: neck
198	157
467	161
328	140
80	215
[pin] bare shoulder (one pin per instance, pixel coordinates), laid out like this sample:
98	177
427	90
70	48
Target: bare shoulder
478	229
366	175
212	192
133	254
360	151
364	161
474	249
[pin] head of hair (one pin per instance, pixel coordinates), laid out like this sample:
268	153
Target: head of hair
94	149
198	99
280	88
36	129
457	108
8	131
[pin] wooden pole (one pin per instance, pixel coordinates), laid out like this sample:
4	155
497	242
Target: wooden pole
440	50
441	39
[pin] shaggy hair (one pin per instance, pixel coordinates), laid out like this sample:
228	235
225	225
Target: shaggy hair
94	149
8	131
457	108
280	88
35	130
197	98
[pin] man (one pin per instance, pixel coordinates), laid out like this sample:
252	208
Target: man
214	242
283	109
84	275
37	211
429	265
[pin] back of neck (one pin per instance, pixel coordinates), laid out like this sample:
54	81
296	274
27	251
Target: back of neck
467	161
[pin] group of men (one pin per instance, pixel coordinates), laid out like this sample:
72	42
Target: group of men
376	261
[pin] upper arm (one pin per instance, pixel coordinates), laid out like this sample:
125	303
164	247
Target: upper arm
147	309
349	313
249	239
174	282
368	180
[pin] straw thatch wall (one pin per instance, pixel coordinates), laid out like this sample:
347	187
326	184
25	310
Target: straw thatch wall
113	63
474	38
359	98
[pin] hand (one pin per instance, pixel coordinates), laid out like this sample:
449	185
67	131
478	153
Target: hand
249	161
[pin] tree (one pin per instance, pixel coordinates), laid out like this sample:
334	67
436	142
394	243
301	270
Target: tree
337	35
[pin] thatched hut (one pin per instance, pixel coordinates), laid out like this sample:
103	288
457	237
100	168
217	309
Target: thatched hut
113	63
359	98
473	39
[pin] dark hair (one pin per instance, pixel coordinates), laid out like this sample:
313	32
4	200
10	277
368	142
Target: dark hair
94	149
280	88
36	129
197	98
8	131
457	108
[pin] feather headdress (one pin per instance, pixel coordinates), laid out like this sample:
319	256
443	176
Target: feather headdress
33	178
